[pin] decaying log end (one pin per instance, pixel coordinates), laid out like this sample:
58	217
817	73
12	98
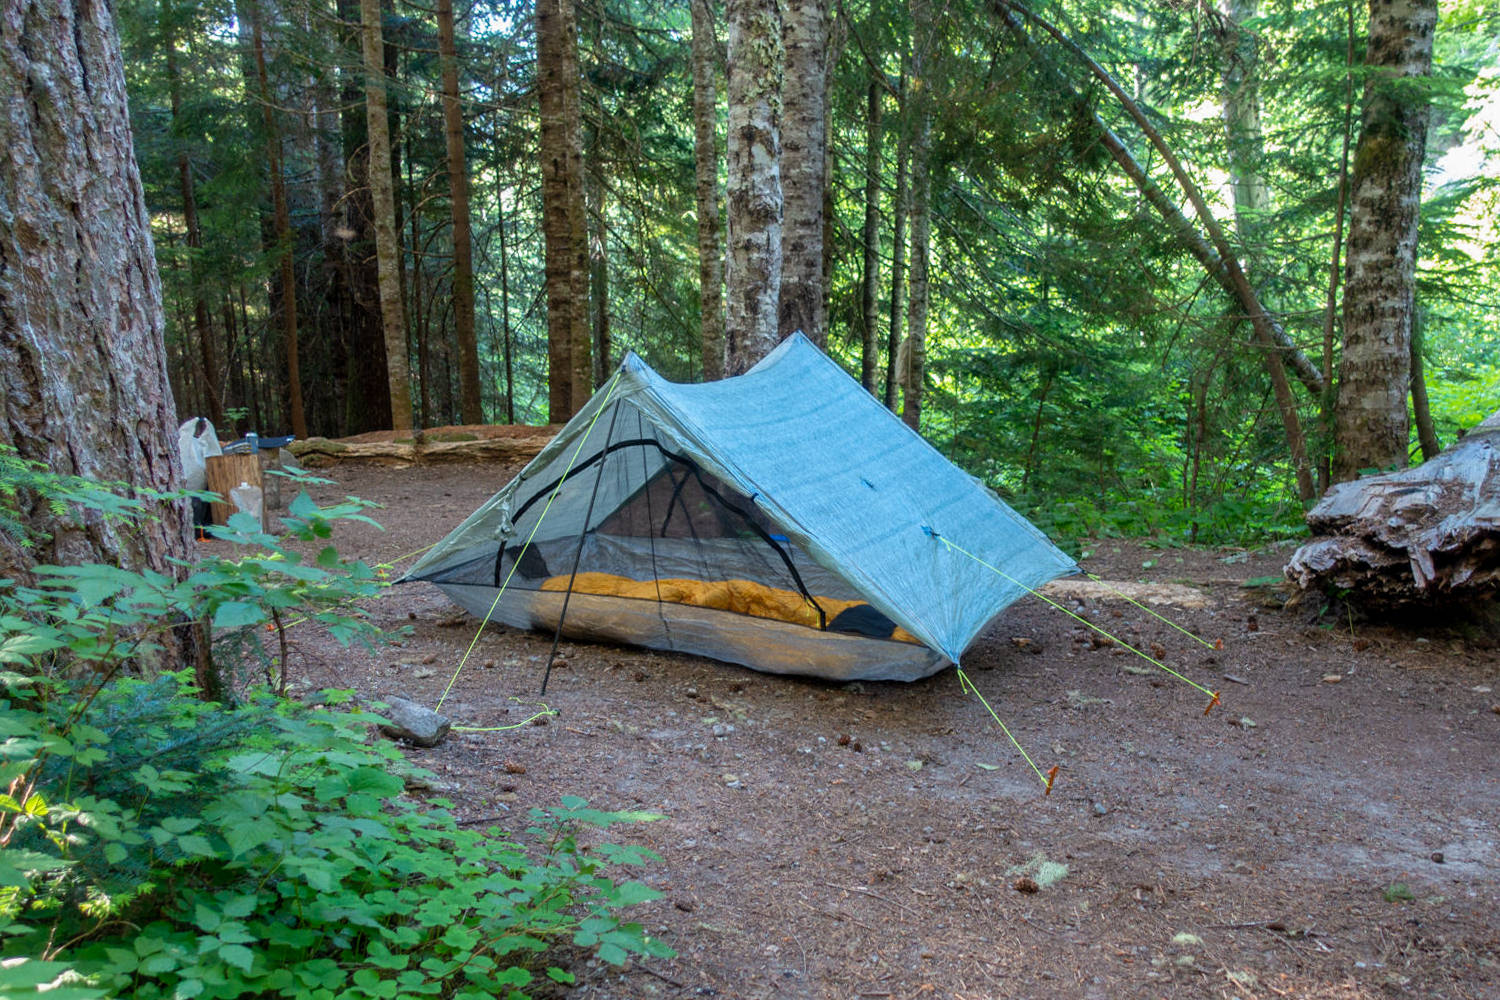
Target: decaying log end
1422	536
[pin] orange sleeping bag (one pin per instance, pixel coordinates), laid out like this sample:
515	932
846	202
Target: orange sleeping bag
742	597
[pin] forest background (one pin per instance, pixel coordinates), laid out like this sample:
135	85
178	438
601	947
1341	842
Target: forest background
979	256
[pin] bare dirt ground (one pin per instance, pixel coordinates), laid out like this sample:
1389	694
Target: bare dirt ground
1330	831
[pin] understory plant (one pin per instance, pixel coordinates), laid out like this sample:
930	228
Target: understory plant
154	844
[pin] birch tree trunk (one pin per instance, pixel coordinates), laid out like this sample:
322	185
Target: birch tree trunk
706	162
564	226
804	153
83	377
1371	429
753	272
383	207
471	406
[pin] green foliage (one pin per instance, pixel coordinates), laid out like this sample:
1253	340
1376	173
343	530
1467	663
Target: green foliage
153	844
161	846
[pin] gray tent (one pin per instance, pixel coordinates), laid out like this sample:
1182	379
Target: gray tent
782	519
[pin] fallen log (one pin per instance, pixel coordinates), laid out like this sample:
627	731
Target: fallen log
1422	536
433	449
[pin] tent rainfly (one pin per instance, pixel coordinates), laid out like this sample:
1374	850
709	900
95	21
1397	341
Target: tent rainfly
782	519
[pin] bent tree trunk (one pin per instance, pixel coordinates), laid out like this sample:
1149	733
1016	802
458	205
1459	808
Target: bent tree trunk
1419	536
83	378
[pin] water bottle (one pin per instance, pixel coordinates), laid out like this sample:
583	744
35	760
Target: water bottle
247	499
252	440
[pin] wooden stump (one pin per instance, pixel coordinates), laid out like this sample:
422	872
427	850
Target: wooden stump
1421	536
223	473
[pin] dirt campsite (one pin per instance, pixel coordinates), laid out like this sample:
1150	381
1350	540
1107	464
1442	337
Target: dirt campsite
1329	830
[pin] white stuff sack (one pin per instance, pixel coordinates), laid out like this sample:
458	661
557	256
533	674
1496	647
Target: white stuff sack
196	440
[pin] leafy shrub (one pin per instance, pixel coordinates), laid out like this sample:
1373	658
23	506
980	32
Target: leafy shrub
268	851
156	845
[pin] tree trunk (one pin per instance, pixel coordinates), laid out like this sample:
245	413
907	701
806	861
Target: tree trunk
1374	371
563	223
923	33
1252	198
383	205
1326	398
285	239
869	355
804	153
510	383
1418	537
367	404
1421	412
201	325
706	163
470	403
753	273
899	211
83	376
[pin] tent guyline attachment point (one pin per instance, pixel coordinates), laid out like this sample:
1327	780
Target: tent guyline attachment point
1216	644
610	391
1213	695
1046	779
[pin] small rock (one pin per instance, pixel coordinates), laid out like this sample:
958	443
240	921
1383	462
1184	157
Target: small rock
691	692
722	729
1437	857
1244	722
421	673
1100	809
416	724
1332	678
732	780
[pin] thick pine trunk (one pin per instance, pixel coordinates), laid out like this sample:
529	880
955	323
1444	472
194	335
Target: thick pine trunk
706	168
869	354
564	226
753	273
804	153
383	206
83	379
356	295
1371	421
1420	536
470	404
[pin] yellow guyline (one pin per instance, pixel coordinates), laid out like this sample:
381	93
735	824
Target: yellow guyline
613	382
1213	695
1216	644
1046	779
